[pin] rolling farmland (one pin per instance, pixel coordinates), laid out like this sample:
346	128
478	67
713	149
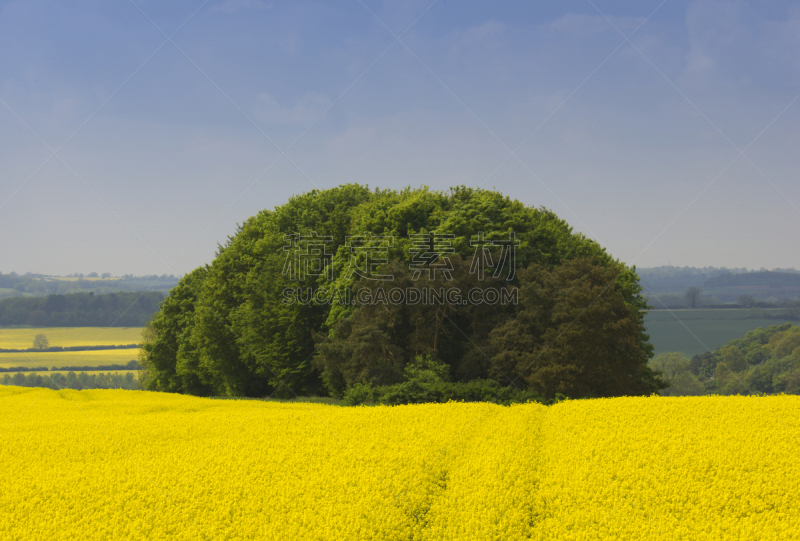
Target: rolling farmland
67	358
22	337
697	331
136	465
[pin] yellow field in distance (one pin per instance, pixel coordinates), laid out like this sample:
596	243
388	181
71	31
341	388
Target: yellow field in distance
22	337
68	358
108	464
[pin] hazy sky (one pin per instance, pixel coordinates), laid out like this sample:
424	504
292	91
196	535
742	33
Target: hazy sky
171	122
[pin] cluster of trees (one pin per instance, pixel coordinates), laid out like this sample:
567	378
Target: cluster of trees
576	328
72	380
426	381
765	360
123	309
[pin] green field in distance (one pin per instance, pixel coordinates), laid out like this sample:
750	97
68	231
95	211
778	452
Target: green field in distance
697	331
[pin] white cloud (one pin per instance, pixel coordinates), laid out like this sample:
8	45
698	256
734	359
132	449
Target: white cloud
730	45
305	110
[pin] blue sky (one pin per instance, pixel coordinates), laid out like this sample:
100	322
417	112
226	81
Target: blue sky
667	131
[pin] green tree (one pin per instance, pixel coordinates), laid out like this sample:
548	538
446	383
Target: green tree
783	343
746	300
231	328
169	356
40	342
675	368
360	351
670	364
574	335
38	318
730	373
692	296
685	384
394	334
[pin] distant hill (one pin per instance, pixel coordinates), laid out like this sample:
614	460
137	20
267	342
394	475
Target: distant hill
759	279
38	285
669	279
720	285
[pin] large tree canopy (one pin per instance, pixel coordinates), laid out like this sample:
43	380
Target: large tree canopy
230	328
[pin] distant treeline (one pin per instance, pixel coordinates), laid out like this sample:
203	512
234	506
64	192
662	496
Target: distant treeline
68	348
15	285
761	278
123	309
668	278
73	381
708	302
130	365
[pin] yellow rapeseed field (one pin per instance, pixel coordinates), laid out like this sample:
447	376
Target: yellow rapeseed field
138	465
58	359
22	337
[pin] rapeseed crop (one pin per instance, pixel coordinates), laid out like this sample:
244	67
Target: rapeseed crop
58	359
137	465
22	337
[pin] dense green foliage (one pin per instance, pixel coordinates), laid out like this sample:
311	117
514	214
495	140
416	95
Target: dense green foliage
427	381
227	328
674	368
766	360
123	309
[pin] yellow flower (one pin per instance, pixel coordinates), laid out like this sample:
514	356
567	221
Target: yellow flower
136	465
